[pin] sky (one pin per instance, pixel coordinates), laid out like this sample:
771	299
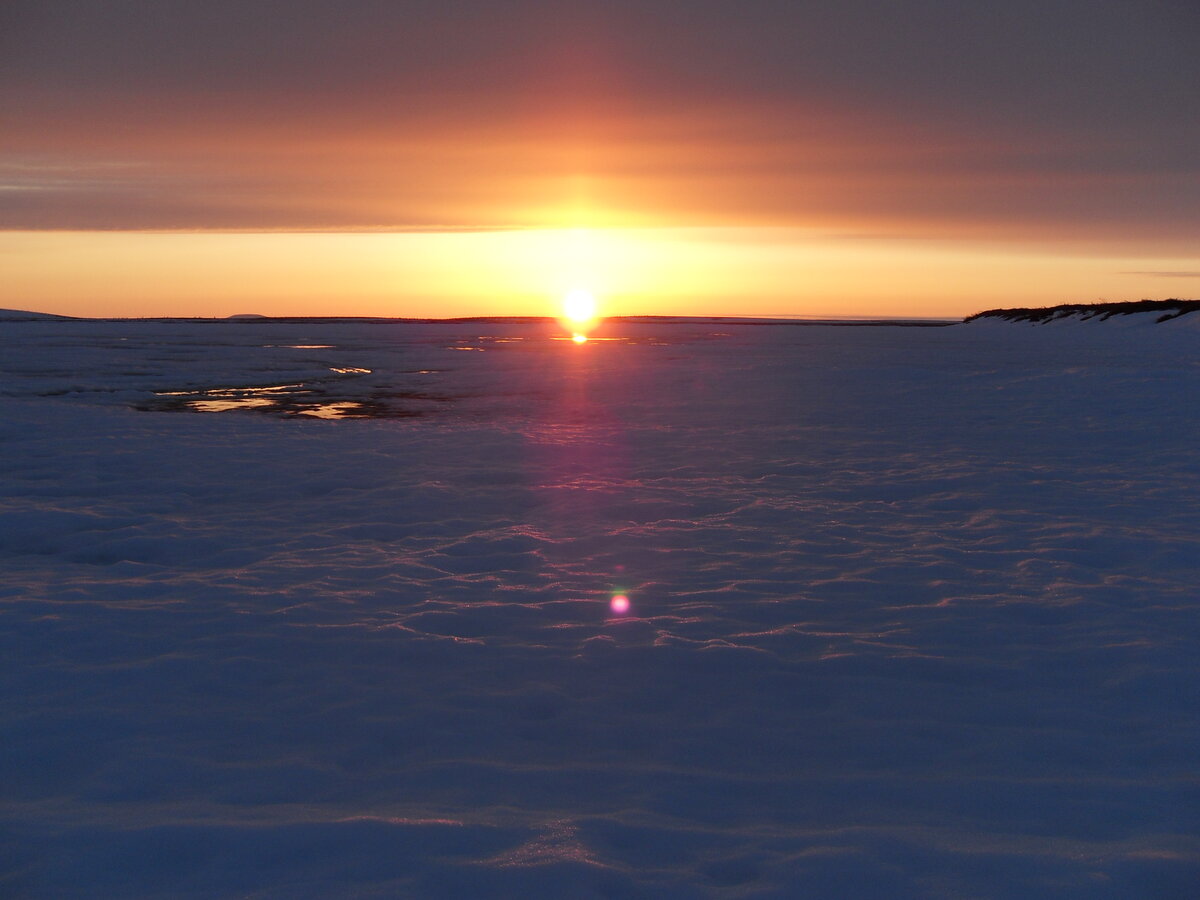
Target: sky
462	157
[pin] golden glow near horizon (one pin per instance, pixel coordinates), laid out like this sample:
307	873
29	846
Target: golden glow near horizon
663	271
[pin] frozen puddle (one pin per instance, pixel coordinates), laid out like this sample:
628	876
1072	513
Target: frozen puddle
345	410
319	400
287	402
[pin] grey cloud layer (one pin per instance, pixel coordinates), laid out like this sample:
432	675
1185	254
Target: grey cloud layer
1095	97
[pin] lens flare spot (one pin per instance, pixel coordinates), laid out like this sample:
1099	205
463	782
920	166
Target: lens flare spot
579	337
619	604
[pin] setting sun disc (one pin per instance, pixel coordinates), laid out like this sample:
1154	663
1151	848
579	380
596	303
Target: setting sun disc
579	306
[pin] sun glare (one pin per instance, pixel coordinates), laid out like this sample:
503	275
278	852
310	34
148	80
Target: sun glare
579	306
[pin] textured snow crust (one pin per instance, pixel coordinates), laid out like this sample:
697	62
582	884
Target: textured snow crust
913	611
1172	321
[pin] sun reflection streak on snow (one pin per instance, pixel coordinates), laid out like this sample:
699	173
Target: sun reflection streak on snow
580	466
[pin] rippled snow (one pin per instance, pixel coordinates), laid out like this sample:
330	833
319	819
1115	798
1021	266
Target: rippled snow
912	611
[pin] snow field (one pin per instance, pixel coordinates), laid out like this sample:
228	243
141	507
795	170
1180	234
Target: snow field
912	611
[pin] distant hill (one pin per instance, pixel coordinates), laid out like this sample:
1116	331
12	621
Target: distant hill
24	315
1155	310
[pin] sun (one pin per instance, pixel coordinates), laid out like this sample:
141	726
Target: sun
579	307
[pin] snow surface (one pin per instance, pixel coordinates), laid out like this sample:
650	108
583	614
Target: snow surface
912	611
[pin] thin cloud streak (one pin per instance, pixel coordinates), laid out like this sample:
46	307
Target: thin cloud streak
1164	274
786	166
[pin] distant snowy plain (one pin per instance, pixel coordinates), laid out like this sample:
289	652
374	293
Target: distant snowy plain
913	611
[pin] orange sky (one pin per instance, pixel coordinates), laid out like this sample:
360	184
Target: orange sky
416	161
771	272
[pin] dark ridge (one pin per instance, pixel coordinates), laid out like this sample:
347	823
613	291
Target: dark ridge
25	315
254	319
1170	309
247	319
767	320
